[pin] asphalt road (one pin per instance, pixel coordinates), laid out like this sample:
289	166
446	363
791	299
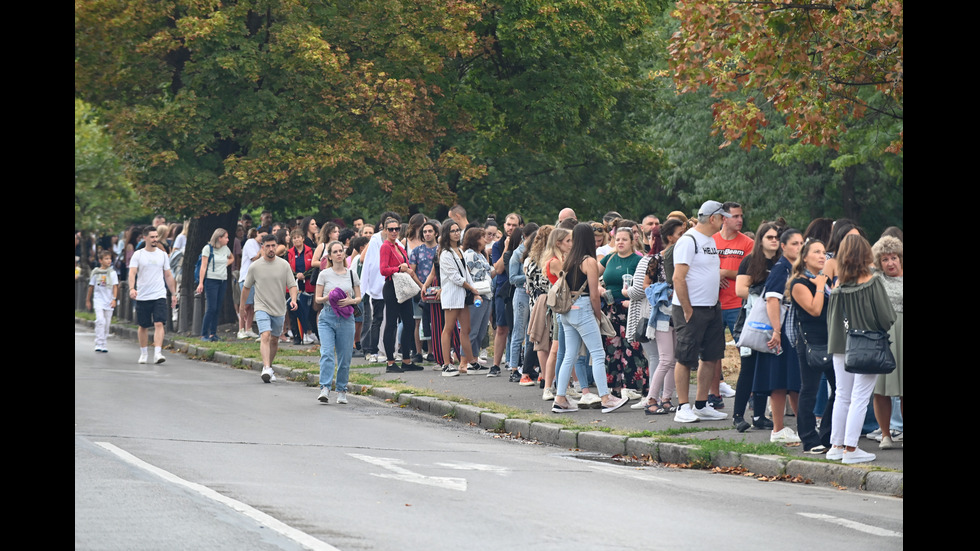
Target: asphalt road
195	455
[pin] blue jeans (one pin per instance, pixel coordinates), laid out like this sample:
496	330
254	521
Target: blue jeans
522	313
581	362
579	326
336	347
479	324
214	293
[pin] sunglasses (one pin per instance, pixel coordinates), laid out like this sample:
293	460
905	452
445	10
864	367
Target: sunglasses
393	229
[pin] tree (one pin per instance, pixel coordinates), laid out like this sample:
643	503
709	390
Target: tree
104	196
556	101
220	105
226	103
822	64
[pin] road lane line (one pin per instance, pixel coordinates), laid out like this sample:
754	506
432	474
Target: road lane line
299	537
464	466
854	525
405	475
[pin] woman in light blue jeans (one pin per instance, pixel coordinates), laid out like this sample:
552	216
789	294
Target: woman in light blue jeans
580	323
336	325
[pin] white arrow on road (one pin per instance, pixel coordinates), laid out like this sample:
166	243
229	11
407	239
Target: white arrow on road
405	475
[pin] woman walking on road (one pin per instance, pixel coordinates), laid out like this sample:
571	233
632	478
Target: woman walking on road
338	289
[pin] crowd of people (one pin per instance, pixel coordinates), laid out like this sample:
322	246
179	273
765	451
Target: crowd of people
647	304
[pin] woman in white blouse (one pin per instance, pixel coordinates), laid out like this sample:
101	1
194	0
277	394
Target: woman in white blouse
457	292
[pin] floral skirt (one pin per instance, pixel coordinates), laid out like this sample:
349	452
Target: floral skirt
626	365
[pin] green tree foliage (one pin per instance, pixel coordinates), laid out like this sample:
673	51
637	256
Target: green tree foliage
104	197
559	99
822	64
222	104
784	179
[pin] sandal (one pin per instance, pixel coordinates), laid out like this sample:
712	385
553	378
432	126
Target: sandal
667	405
655	409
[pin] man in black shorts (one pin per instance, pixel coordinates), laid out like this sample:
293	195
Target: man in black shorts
697	313
149	280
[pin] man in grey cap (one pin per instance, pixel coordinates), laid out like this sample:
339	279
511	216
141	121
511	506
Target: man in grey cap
697	313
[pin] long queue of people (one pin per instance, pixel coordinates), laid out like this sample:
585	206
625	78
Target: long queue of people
645	304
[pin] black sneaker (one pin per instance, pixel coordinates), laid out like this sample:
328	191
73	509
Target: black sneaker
411	367
740	424
417	359
393	368
494	371
715	401
429	357
450	370
515	377
762	423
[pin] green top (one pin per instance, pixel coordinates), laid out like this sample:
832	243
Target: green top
616	267
669	265
867	307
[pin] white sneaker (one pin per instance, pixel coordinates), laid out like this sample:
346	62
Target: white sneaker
242	334
642	404
158	358
896	435
785	436
726	390
268	375
857	456
324	396
308	339
589	400
548	395
142	359
371	358
835	454
709	413
631	394
685	414
615	404
252	334
572	392
341	397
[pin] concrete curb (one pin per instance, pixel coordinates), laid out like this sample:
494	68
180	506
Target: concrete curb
823	473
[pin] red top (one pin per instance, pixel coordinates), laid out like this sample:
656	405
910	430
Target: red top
547	271
392	256
731	253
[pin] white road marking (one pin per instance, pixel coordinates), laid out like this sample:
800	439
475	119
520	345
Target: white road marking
405	475
463	466
866	528
299	537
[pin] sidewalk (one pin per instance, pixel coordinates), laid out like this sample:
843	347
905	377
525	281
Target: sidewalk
498	390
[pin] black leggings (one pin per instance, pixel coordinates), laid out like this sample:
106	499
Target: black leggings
393	313
744	387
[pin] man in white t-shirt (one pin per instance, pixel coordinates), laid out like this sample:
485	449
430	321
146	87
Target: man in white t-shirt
149	280
251	251
697	313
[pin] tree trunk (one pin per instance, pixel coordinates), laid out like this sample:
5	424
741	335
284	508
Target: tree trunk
848	193
199	232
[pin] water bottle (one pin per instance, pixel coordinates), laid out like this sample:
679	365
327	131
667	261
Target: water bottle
477	301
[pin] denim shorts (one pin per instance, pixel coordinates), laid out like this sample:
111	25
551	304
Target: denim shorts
269	323
251	294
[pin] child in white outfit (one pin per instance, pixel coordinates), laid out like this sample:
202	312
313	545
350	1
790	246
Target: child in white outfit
102	291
